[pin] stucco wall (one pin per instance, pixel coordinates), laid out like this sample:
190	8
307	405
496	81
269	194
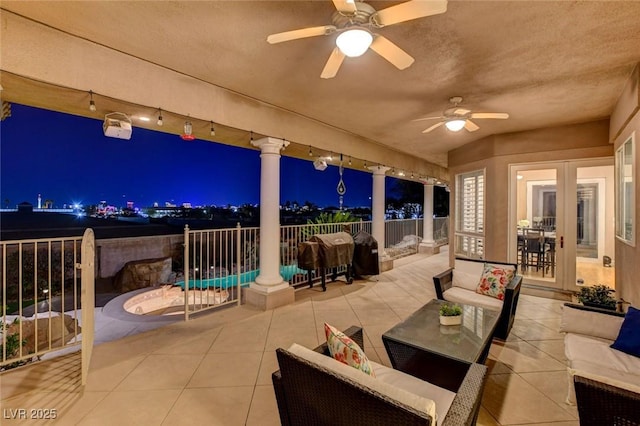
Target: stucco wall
113	253
496	153
627	117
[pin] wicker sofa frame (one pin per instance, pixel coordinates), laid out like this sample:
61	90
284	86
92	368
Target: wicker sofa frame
308	394
603	404
444	281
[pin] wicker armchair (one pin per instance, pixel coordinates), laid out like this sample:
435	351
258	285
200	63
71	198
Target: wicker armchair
308	394
444	281
604	404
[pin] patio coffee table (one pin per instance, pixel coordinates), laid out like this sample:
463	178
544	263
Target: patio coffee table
440	354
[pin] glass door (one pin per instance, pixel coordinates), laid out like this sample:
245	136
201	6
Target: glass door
562	223
591	190
537	223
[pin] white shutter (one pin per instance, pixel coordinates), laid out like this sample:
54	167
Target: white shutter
469	233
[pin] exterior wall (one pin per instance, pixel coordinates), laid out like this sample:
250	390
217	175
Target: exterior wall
496	153
113	253
626	120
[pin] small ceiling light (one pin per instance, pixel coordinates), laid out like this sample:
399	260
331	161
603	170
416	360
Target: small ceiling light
393	171
349	160
251	135
310	152
365	164
92	105
455	125
401	173
354	42
213	131
160	122
188	131
411	175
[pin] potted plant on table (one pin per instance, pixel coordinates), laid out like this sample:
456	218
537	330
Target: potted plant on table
450	314
598	296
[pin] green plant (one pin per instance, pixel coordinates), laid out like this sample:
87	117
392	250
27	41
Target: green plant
598	294
449	310
320	224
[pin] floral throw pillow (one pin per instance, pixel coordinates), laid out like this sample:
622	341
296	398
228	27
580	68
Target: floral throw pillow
342	348
494	279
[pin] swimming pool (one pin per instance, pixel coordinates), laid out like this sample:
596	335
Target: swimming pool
287	272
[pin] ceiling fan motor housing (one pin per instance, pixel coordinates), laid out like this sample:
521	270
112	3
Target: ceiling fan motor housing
360	18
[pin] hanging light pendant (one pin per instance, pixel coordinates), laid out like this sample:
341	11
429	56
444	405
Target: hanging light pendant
213	131
92	105
188	131
160	121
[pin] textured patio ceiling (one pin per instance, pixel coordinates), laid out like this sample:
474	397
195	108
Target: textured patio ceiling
545	63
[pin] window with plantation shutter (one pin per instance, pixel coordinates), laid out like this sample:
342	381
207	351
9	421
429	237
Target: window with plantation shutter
469	233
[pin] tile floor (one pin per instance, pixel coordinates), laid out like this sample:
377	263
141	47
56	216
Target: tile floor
216	370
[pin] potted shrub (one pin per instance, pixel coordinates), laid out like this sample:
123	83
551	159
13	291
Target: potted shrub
450	314
598	296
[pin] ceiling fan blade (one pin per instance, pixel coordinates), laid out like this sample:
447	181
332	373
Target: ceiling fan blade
333	64
470	126
435	126
500	115
392	53
345	6
409	10
302	33
428	118
461	111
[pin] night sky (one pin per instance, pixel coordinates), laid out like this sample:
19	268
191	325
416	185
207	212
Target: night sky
68	159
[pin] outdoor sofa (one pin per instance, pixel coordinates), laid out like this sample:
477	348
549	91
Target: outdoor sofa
603	382
312	388
459	285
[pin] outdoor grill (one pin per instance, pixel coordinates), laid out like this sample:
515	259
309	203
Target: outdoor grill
324	251
365	255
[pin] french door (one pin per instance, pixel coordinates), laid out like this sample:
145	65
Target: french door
561	223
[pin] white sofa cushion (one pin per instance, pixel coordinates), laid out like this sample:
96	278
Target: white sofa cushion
417	394
593	355
590	323
466	280
470	297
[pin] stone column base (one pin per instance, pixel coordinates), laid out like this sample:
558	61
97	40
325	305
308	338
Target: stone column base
385	264
429	248
266	301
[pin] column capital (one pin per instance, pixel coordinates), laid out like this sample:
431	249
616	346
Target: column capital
428	181
270	145
379	170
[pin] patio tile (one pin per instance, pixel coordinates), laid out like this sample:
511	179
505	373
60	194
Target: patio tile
268	365
554	385
534	330
376	316
554	348
511	400
226	369
227	406
284	337
157	372
264	408
523	357
132	407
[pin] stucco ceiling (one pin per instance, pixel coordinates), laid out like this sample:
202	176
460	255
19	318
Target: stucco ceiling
544	63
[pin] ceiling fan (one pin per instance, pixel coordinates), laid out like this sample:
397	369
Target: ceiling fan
456	118
355	20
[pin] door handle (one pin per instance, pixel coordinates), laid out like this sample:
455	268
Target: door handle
561	242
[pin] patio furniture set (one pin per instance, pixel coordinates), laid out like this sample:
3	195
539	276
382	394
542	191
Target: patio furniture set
437	374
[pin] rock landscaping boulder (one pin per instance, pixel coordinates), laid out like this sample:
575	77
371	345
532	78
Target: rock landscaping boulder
143	273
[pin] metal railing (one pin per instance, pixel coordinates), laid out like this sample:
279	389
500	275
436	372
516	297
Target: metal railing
42	293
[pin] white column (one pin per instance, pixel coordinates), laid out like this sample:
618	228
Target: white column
269	278
428	245
378	207
427	208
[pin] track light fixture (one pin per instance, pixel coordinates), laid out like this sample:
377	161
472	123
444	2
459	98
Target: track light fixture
188	131
160	122
213	131
92	105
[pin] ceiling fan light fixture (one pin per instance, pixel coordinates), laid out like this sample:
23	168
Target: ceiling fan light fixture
354	42
455	125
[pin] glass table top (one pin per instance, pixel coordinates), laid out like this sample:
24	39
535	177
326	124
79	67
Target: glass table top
464	342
